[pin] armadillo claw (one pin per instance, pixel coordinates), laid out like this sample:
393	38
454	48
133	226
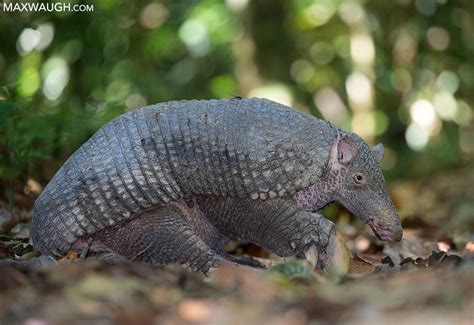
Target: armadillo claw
311	255
338	255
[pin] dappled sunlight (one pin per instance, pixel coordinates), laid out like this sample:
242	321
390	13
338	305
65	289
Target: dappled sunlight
195	35
423	113
28	40
445	105
416	136
359	91
404	79
154	15
55	74
331	106
438	38
362	49
276	92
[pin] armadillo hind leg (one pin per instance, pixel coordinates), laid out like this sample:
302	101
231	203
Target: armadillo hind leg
200	225
157	237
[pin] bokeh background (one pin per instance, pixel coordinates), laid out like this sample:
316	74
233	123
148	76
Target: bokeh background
399	72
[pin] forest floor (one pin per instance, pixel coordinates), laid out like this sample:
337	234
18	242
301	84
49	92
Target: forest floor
426	278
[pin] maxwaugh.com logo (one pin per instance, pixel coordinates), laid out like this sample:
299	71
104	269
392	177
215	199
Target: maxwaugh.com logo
45	7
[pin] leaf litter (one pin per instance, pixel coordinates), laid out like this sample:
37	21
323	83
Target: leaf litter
427	277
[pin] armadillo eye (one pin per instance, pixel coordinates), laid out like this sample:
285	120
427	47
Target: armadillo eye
358	178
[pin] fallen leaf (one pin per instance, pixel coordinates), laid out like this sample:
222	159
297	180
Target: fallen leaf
71	255
29	255
358	266
32	186
372	259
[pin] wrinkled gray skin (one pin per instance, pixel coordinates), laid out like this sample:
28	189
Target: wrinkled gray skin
174	182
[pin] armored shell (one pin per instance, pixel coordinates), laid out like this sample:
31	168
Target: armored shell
151	156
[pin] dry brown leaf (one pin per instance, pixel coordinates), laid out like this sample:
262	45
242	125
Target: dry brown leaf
71	255
29	255
358	266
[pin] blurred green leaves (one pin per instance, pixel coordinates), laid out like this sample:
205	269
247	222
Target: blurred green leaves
364	65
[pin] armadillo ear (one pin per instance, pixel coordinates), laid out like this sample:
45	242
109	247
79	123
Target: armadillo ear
346	151
377	151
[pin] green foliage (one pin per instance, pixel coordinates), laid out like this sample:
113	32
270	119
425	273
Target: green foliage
400	72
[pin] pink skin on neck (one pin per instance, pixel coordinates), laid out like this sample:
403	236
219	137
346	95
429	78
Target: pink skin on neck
318	195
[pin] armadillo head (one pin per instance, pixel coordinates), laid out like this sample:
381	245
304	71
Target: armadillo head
360	185
353	178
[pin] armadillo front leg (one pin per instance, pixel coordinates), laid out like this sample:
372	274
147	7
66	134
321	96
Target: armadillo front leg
158	237
277	225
